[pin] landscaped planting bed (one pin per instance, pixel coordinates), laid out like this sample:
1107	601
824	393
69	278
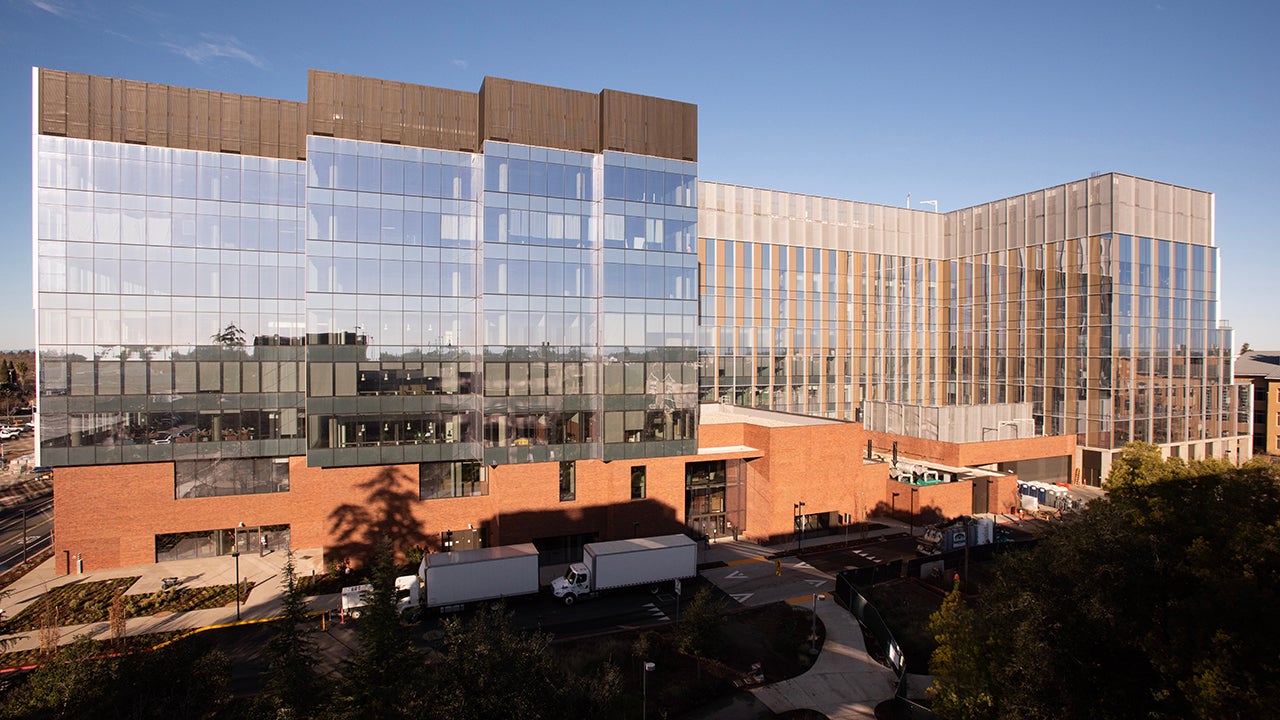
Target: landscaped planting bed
89	602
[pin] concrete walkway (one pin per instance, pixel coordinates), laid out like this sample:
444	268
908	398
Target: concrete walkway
844	681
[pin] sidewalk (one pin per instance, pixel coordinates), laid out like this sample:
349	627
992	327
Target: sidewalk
263	602
844	681
727	550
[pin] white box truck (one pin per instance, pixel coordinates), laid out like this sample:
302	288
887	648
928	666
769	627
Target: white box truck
627	563
492	573
408	597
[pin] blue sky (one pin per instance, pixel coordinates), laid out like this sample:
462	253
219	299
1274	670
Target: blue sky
870	101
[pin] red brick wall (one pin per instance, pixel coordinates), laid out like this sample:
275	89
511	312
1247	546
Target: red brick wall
111	515
343	510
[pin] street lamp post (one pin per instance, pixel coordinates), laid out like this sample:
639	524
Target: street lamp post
813	627
799	508
235	553
644	690
913	509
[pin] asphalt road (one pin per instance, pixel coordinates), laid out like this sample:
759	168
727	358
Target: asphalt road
38	535
613	612
863	554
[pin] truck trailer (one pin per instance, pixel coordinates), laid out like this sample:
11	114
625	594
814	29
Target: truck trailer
627	563
491	573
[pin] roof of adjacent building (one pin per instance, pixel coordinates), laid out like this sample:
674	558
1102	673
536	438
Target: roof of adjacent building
721	414
1259	363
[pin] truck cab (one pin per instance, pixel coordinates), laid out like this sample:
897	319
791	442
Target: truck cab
576	581
408	597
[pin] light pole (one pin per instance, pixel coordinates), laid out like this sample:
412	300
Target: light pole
799	508
813	627
235	553
913	510
644	690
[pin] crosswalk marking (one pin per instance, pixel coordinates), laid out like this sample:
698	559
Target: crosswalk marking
655	613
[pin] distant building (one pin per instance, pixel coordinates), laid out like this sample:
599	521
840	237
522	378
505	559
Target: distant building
503	309
1261	369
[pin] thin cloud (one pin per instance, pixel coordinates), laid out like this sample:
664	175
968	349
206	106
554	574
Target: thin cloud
462	64
211	48
51	7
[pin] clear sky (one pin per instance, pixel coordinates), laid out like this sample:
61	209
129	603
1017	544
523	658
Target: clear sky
959	102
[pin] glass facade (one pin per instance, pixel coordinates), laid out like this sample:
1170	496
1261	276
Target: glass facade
1111	336
381	303
392	288
390	304
170	304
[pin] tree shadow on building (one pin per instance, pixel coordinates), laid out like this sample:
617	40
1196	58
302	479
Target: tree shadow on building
559	534
387	512
924	514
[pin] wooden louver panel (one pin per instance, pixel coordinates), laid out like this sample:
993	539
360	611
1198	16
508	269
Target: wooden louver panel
101	108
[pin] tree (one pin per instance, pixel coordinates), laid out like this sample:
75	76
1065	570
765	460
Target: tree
701	630
1244	348
1150	603
961	688
1139	463
381	679
82	681
292	679
492	669
116	618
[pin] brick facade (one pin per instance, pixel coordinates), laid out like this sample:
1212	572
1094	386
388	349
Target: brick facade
109	516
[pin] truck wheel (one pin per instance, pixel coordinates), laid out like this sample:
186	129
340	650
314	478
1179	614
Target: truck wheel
354	614
568	599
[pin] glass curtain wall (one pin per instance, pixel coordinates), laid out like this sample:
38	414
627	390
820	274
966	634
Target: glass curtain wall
169	303
541	304
649	306
392	287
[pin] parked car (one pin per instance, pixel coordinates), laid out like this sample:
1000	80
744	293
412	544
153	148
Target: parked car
10	433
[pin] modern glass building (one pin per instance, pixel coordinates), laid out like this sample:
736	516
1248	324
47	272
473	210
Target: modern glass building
1095	301
232	291
371	302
